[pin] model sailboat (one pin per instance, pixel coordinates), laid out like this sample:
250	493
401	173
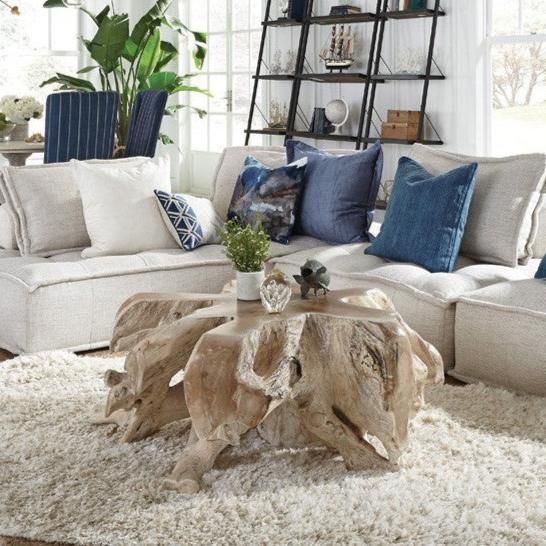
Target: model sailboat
338	54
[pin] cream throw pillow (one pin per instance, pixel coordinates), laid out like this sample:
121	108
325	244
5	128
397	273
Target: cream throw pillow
503	217
45	206
119	207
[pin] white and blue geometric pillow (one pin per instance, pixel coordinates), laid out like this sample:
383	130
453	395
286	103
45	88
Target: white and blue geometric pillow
192	221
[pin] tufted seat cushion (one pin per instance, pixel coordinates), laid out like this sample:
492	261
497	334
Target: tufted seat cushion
500	336
69	302
425	300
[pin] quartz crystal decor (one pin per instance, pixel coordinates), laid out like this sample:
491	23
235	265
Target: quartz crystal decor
275	292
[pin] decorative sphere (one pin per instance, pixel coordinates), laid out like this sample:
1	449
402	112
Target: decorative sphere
336	112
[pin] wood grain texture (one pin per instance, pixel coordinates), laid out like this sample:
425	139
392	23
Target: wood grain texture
333	370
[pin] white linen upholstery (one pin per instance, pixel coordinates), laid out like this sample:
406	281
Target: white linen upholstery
539	246
45	206
503	216
8	240
69	302
119	207
425	300
501	336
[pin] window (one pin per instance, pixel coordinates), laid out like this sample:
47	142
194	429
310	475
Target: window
516	36
35	45
234	29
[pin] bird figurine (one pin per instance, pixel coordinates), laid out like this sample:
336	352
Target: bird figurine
314	276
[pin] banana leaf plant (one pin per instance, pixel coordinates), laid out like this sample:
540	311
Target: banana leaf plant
132	60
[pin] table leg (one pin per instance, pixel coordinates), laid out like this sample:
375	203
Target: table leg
16	159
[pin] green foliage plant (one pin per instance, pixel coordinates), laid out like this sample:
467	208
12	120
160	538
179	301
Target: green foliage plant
246	246
132	60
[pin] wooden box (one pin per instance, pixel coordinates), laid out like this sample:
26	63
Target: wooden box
399	131
403	116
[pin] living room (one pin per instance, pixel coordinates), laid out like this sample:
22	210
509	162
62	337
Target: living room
272	272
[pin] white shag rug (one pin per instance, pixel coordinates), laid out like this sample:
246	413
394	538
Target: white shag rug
474	474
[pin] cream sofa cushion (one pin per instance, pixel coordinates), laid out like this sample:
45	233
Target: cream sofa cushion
230	165
66	302
425	300
503	217
8	240
120	209
500	332
45	205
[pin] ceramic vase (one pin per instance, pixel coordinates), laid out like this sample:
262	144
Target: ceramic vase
248	285
20	132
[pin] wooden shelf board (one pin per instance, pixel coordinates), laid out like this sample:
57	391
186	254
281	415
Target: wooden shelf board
321	136
406	77
279	77
411	14
282	22
343	19
335	77
427	142
266	131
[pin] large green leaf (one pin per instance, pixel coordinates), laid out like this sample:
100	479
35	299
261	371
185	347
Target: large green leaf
171	110
150	56
198	39
172	83
69	82
163	81
87	69
130	51
168	54
149	21
109	41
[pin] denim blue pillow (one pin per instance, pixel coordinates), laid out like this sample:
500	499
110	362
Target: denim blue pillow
268	196
426	215
541	272
339	192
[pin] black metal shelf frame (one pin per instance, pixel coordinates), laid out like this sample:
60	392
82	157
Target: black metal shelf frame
370	79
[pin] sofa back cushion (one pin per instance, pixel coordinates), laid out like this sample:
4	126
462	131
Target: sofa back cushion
45	204
230	165
503	217
8	240
539	245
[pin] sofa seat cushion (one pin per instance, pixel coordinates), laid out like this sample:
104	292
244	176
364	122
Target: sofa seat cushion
499	332
66	302
425	300
5	253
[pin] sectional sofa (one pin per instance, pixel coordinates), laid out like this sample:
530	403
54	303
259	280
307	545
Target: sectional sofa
488	320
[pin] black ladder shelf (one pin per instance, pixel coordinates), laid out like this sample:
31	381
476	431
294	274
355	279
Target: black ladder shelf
370	79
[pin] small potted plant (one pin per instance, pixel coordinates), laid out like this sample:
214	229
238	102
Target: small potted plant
20	110
248	248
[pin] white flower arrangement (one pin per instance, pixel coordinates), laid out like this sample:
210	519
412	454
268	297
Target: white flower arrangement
21	109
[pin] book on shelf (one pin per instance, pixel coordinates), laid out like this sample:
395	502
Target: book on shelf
345	9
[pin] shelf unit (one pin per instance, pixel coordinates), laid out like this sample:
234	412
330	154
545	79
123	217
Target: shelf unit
369	79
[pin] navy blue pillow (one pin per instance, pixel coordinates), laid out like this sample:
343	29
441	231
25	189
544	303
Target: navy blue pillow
426	215
268	196
339	192
541	272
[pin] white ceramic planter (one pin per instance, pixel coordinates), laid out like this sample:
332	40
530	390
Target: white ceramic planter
248	285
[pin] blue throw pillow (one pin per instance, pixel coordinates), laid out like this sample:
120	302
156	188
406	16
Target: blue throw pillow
192	221
339	192
541	272
268	196
426	215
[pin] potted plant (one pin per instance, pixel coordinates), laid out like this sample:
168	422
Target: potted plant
129	59
248	248
19	111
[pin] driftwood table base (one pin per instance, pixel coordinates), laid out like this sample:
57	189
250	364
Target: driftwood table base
328	370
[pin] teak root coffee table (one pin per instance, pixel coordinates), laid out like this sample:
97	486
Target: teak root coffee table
328	370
